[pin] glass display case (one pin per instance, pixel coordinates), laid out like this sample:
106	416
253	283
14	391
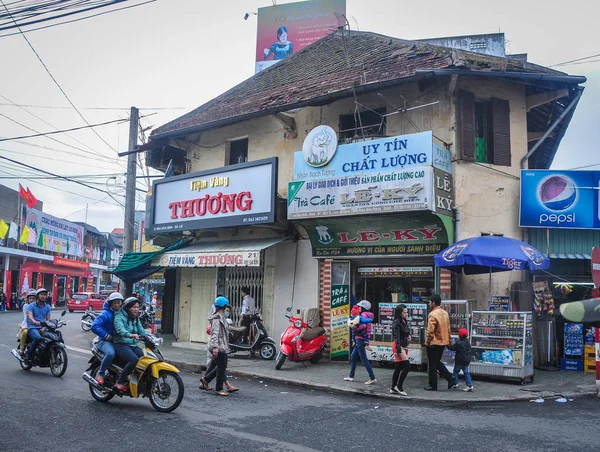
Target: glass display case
459	313
502	345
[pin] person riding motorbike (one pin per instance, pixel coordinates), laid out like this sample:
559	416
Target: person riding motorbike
23	326
128	330
37	313
104	327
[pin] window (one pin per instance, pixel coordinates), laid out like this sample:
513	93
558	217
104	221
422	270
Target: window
238	151
373	125
484	129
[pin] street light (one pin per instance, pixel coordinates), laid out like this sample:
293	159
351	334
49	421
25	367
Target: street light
248	15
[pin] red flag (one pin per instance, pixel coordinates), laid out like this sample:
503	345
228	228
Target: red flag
30	199
22	192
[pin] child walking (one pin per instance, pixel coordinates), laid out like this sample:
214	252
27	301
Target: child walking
462	359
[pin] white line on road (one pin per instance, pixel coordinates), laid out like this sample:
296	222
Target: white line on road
79	350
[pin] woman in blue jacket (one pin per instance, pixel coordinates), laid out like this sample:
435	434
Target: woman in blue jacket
104	328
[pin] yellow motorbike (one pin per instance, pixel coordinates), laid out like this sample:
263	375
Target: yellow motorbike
152	377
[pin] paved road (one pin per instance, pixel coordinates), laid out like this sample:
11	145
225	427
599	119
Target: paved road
40	411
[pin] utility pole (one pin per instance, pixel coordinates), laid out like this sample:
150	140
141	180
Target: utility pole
129	229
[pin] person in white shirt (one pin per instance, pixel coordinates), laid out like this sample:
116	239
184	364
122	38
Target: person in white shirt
248	310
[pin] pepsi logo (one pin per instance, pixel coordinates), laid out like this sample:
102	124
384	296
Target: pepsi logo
557	193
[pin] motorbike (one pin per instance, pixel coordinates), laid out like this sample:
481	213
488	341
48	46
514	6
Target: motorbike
146	315
260	340
87	319
299	342
50	352
152	377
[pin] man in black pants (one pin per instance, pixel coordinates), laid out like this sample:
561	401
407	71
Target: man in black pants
438	337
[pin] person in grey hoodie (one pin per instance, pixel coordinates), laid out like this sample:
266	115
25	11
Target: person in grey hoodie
218	345
128	330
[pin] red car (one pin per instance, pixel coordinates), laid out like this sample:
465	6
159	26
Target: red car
81	301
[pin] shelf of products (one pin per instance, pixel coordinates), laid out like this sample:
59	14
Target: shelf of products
502	344
459	314
573	348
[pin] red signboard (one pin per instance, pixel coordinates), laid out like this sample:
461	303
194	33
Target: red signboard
596	266
55	269
71	263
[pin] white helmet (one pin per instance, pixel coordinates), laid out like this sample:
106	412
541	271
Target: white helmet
115	296
364	304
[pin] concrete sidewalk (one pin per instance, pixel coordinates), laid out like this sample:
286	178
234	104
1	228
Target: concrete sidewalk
328	376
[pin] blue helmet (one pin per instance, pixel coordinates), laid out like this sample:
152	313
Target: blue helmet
221	302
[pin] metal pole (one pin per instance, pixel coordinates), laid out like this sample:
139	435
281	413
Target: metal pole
597	349
129	229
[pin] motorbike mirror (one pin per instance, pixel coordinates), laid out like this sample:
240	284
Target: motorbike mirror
63	313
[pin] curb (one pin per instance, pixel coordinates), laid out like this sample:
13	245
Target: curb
195	368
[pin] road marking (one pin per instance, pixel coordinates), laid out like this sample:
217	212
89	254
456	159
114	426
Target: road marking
79	350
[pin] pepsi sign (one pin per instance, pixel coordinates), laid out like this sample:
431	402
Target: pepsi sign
560	199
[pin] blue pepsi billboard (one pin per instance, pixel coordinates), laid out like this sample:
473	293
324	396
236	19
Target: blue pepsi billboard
560	199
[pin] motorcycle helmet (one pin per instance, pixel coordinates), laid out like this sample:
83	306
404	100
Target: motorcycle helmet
129	302
366	305
221	302
40	291
115	296
31	293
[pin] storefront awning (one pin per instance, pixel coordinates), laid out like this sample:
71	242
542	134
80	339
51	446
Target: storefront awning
230	253
570	256
136	266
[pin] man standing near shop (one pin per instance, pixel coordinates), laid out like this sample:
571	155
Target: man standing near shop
438	337
248	309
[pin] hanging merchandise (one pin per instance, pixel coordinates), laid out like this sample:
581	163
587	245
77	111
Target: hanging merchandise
543	300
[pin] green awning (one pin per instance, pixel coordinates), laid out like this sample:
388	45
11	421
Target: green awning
564	243
136	266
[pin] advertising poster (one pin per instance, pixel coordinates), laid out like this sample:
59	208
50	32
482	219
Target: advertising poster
397	191
498	303
283	30
560	199
53	234
340	311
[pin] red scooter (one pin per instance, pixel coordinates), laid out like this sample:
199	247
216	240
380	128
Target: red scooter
299	342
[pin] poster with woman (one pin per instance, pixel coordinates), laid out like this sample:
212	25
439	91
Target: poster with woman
283	30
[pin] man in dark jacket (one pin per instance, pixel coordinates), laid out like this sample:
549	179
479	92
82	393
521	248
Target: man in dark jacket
104	328
462	359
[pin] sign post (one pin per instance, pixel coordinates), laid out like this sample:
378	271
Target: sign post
596	279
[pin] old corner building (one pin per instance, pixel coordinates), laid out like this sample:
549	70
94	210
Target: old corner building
321	179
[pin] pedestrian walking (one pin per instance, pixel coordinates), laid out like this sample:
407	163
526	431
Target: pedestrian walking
218	345
400	341
462	359
359	348
438	337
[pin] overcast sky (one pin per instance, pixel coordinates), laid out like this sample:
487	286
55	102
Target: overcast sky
182	53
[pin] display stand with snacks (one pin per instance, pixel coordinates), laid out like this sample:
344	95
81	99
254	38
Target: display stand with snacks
502	344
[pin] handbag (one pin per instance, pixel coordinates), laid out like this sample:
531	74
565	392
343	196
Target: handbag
403	354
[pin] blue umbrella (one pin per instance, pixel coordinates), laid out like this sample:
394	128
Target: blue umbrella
491	253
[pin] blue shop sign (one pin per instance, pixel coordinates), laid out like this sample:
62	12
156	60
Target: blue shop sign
381	155
560	199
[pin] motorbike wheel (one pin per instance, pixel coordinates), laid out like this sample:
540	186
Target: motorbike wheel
166	392
280	360
25	366
98	395
316	358
58	361
85	327
268	351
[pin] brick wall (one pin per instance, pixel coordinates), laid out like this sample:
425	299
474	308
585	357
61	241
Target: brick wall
325	297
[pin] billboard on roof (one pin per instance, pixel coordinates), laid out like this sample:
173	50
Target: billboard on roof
283	30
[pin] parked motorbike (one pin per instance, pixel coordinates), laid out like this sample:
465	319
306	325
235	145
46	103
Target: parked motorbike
260	340
146	315
152	377
50	352
299	342
87	319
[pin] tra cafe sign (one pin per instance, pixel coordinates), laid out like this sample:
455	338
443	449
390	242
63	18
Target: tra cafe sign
236	195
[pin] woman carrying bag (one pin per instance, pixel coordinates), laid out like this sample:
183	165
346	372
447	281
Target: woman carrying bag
400	340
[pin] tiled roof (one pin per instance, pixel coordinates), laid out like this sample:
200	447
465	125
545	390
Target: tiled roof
333	65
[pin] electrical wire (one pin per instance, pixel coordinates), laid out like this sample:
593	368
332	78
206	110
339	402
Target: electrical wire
64	130
574	61
50	158
58	107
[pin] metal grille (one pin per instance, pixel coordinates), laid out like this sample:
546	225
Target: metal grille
230	281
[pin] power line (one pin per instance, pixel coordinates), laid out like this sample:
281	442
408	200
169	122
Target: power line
573	61
64	130
50	158
54	80
58	107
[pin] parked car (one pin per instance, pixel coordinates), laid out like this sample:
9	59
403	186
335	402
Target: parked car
81	301
105	293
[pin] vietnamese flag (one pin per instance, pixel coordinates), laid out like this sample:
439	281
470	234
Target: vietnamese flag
30	200
22	192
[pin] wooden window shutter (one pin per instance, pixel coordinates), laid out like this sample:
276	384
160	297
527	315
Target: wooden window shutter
501	130
466	105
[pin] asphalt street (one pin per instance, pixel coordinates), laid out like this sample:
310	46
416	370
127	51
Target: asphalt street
40	411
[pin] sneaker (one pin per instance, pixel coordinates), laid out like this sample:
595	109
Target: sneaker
100	379
371	381
452	386
348	378
468	389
